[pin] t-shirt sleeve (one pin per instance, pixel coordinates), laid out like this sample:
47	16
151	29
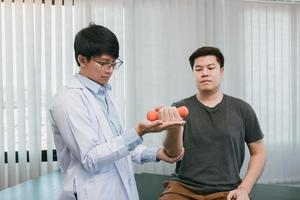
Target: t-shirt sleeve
253	131
174	104
178	104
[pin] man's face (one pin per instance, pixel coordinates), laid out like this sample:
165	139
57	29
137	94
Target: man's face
98	68
208	74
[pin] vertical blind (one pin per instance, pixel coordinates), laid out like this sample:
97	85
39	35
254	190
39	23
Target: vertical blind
36	40
262	51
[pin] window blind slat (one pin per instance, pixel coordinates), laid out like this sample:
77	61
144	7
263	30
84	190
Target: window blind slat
9	91
37	60
31	96
37	27
2	165
19	59
48	40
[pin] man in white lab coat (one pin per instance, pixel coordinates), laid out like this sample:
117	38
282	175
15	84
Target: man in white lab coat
94	152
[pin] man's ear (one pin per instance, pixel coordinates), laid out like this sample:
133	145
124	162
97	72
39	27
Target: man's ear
222	70
82	60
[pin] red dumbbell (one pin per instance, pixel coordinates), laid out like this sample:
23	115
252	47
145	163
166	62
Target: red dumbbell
153	115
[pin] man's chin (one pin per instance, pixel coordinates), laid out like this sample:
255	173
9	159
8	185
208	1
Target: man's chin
207	90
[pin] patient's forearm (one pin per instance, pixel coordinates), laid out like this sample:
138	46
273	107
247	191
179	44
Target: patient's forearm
173	143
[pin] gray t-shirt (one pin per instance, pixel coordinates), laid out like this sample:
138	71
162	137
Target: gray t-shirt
214	141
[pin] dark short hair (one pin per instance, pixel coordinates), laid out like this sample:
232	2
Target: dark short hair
207	51
96	40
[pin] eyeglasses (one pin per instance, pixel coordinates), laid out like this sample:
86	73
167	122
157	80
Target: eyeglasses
109	65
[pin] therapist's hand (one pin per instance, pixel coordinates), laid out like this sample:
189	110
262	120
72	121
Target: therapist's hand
157	126
162	155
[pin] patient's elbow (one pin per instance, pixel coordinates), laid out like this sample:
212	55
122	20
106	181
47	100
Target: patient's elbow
173	153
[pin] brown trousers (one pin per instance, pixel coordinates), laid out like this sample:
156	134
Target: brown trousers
175	190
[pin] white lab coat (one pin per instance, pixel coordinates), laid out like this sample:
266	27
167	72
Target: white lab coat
95	163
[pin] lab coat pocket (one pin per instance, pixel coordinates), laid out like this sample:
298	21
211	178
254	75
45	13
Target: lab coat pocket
102	186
